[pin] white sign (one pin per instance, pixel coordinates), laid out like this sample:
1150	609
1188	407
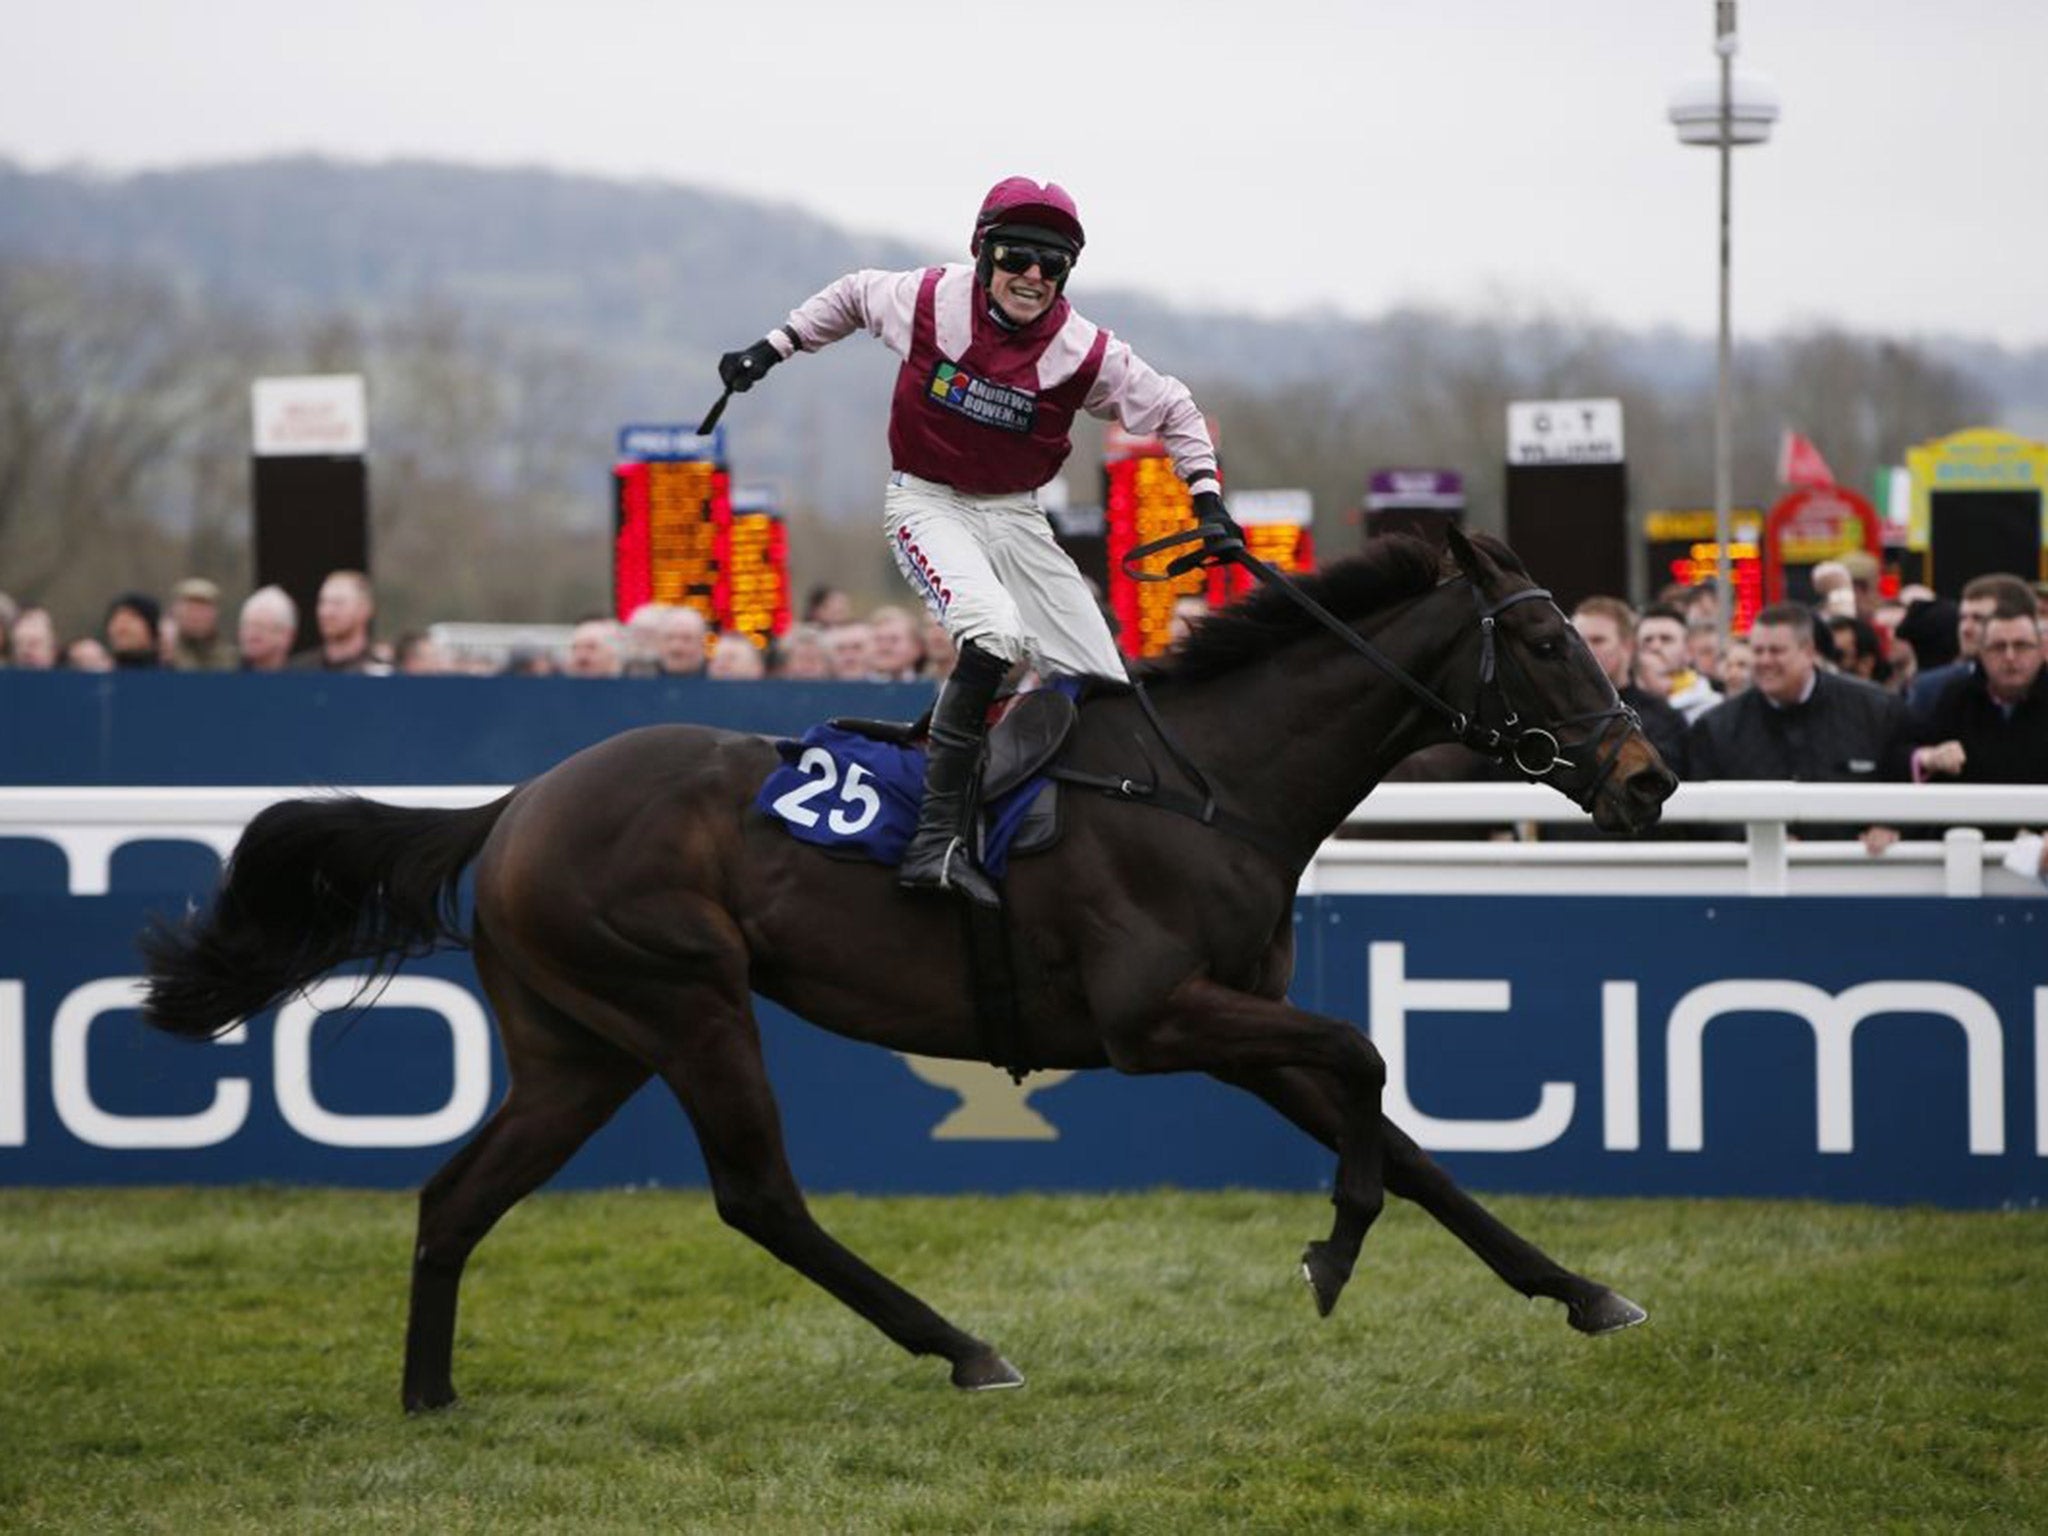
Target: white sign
1289	509
310	414
1564	432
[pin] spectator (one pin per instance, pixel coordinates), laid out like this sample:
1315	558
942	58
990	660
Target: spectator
894	652
343	615
264	633
1863	568
1660	633
1187	613
1833	590
1701	604
1796	721
1608	626
1703	649
1990	726
851	658
420	656
679	643
939	652
736	659
827	607
594	650
35	641
803	656
1736	666
529	661
197	645
85	654
131	631
1857	650
1982	596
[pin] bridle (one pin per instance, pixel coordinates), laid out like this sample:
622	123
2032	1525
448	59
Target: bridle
1493	728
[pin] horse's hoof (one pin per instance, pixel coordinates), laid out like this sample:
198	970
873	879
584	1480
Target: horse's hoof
986	1372
1606	1312
431	1402
1325	1276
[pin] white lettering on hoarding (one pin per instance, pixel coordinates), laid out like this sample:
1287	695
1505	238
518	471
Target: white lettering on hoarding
1620	1078
1393	997
1833	1020
71	1080
13	1067
469	1034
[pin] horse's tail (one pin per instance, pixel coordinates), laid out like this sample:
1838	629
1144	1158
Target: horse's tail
312	884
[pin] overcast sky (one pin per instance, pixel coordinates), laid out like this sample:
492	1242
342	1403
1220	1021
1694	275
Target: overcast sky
1269	155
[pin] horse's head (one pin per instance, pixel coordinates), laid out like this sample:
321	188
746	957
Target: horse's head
1544	706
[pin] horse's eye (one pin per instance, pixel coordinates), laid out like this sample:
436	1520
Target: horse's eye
1549	650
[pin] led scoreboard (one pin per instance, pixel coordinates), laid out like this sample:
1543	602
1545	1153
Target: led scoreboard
1278	528
752	588
1681	547
680	535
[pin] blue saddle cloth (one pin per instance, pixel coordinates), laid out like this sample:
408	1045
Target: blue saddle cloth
859	797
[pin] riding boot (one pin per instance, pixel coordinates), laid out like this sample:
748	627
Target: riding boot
940	856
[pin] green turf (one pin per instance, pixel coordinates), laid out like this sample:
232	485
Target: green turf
228	1360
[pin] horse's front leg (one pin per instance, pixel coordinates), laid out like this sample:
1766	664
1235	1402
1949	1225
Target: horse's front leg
1204	1026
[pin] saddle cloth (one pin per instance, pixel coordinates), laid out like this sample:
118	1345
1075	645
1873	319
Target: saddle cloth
853	787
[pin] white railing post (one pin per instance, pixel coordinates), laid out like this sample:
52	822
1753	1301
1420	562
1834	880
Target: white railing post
1962	861
1770	867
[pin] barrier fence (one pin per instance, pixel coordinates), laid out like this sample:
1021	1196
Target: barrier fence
1695	1017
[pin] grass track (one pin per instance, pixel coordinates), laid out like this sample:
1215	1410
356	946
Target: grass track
187	1361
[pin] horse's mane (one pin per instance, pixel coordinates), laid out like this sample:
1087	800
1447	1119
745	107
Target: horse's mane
1392	568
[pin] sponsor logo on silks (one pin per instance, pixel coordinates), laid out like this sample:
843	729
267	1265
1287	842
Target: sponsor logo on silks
921	574
993	405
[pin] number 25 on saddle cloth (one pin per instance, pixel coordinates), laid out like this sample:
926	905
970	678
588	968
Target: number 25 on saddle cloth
856	796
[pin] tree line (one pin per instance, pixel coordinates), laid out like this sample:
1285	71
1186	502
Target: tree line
124	438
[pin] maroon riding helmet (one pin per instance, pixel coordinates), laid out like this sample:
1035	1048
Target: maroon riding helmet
1029	212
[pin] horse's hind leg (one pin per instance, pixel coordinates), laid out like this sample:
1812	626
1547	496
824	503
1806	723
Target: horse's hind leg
565	1084
1312	1102
708	1048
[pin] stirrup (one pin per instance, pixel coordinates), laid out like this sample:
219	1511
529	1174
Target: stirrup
957	875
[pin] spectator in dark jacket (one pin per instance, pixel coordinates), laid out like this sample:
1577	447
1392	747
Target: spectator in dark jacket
1990	726
1982	597
1797	722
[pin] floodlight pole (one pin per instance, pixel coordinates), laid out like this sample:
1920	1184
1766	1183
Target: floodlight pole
1724	45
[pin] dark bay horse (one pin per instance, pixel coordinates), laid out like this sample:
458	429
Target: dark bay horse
629	902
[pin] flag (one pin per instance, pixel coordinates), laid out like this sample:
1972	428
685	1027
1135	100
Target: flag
1800	463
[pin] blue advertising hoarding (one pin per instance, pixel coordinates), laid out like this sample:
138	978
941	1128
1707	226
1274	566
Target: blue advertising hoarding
1872	1050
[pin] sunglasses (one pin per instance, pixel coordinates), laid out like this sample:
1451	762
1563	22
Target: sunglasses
1052	263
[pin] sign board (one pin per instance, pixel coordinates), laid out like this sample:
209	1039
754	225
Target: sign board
1815	523
1980	505
325	414
1421	490
1565	432
1860	1049
1681	546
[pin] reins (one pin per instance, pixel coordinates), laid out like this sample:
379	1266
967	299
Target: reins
1507	742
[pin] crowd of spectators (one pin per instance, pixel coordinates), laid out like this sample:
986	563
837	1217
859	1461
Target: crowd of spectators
1851	687
831	643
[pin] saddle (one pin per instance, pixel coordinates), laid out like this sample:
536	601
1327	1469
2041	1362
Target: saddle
1024	741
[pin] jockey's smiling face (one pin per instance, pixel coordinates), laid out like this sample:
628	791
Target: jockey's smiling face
1023	296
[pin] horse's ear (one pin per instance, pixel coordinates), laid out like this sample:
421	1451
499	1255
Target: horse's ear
1459	548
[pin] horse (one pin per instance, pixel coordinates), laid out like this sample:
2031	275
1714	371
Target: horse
629	902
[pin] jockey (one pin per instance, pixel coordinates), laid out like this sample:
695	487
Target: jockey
995	363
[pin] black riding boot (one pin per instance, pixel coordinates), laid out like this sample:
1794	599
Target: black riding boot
940	856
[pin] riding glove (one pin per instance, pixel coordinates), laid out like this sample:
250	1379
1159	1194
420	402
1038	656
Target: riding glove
1218	528
740	371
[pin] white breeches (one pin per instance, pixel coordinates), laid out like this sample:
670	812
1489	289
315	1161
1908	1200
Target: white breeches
991	572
